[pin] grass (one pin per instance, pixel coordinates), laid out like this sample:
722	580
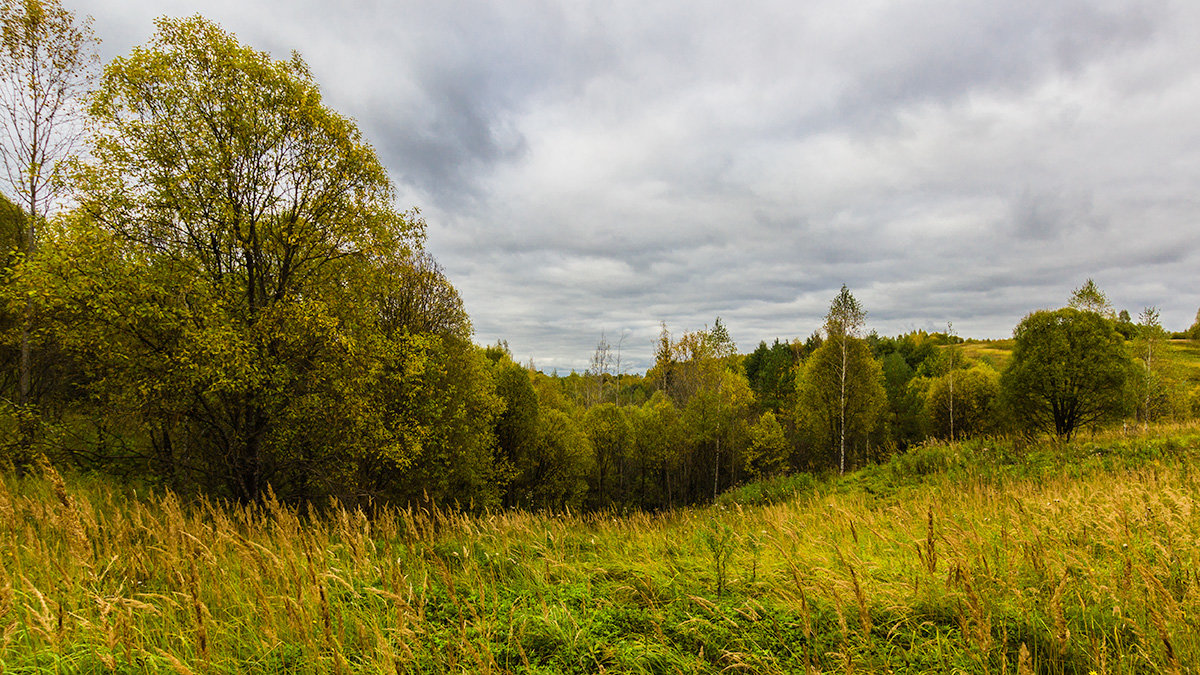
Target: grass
974	557
1180	358
995	353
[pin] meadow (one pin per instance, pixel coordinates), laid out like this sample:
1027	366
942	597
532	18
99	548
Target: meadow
985	556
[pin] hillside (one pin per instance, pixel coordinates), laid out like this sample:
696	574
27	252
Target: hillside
980	556
1182	357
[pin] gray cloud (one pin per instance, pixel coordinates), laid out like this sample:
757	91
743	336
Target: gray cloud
604	166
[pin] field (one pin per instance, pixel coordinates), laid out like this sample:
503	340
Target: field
977	557
995	353
1182	357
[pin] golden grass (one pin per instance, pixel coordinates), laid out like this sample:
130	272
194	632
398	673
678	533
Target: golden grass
1068	570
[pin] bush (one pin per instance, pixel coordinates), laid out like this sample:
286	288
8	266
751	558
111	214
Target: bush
769	491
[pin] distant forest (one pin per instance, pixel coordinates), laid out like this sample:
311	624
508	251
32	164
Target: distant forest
207	286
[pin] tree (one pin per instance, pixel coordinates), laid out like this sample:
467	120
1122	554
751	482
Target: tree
771	373
1068	369
1150	338
1194	332
842	324
516	426
608	429
973	392
658	449
236	274
598	369
1089	298
951	354
46	66
420	299
841	396
562	465
905	406
716	419
768	451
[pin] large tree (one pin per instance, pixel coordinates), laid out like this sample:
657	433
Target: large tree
1068	369
246	294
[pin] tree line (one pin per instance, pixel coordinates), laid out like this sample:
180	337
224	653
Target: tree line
217	294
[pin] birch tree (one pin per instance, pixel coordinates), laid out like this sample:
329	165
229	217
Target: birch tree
844	322
47	63
1150	334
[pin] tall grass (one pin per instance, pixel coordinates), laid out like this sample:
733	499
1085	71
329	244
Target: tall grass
977	557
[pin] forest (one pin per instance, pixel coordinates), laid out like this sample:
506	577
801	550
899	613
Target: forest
207	286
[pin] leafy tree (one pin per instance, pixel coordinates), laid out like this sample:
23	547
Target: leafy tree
768	451
715	419
420	431
516	426
771	373
1125	325
610	433
905	408
842	324
47	59
658	448
720	343
1150	339
556	475
1089	298
1193	333
974	392
420	299
252	308
1068	369
841	396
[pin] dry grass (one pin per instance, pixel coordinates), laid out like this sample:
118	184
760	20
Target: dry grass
1084	565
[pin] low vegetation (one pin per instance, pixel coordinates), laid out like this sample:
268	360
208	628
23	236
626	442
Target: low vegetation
980	556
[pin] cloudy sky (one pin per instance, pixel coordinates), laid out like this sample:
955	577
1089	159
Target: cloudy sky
604	166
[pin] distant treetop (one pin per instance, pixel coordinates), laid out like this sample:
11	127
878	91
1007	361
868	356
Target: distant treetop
1089	298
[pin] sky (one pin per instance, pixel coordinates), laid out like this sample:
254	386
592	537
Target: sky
590	168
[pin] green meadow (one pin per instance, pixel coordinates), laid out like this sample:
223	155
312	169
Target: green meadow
975	557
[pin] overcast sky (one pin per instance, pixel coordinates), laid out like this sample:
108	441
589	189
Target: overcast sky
604	166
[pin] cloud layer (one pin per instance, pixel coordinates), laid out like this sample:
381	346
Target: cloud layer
589	167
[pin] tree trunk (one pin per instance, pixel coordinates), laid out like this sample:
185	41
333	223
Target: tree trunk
842	429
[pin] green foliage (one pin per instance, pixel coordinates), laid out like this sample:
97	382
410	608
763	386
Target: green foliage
768	451
833	407
1069	369
1089	298
47	59
608	429
773	490
771	374
720	541
658	448
976	393
249	308
517	425
905	406
846	315
557	475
